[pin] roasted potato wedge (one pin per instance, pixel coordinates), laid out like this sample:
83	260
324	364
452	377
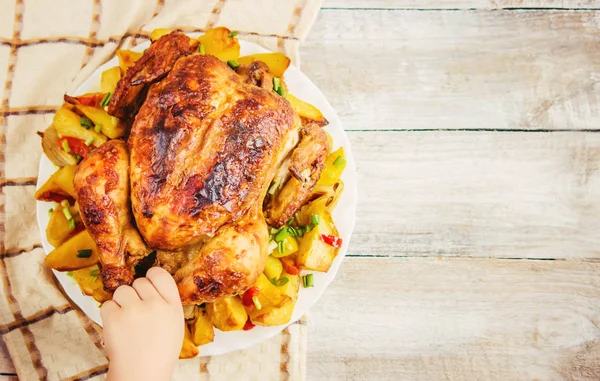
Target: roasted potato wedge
227	314
269	295
334	166
110	78
59	184
307	112
217	42
111	126
271	315
67	123
158	33
67	257
273	267
89	280
127	58
314	253
277	62
59	230
188	348
202	329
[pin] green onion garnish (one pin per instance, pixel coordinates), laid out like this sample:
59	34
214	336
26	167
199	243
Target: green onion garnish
233	34
279	282
314	219
77	157
276	84
67	214
201	49
291	221
280	247
233	64
106	100
145	50
308	281
50	211
95	272
85	253
65	146
280	236
280	91
89	141
64	204
70	273
339	161
274	231
98	128
292	231
273	188
86	122
72	224
256	303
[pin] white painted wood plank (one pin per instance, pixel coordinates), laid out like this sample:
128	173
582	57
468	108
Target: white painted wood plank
477	194
459	4
458	70
475	319
6	365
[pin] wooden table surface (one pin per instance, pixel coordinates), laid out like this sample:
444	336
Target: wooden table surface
476	254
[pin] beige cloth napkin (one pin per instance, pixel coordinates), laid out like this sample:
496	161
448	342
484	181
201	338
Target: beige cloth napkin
46	49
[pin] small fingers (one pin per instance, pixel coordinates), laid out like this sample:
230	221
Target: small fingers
109	308
164	284
145	289
125	295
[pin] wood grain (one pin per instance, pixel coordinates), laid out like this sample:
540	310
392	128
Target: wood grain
477	194
459	4
457	319
519	70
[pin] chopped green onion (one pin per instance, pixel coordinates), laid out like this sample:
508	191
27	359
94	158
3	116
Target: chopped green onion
86	122
339	161
64	204
273	188
233	64
276	84
291	221
77	157
292	231
95	272
70	273
201	49
145	50
272	246
89	141
85	253
279	282
300	231
67	214
233	34
256	303
308	281
50	211
280	91
280	247
274	231
98	128
314	219
280	236
106	100
65	146
72	224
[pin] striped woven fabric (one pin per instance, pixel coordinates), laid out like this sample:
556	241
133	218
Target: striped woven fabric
48	48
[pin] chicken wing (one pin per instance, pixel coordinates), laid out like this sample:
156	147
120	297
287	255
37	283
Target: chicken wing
102	191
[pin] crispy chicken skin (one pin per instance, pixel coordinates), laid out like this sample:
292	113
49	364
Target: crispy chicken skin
202	152
204	147
102	191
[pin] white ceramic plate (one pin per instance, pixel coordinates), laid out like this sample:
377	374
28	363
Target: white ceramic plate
344	214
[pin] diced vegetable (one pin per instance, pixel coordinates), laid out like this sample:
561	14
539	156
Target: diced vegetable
127	59
158	33
307	112
217	42
331	240
273	267
52	150
289	266
110	125
233	64
110	78
90	99
64	257
60	183
188	348
288	245
249	325
106	100
271	315
59	228
334	166
227	314
202	329
89	280
313	253
268	296
277	62
67	123
308	280
75	146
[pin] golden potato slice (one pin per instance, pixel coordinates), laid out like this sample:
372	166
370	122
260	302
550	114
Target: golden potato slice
271	315
127	58
67	123
109	80
334	166
60	183
269	295
59	229
227	314
89	280
110	126
307	112
273	267
158	33
188	348
74	253
313	253
202	329
217	42
277	62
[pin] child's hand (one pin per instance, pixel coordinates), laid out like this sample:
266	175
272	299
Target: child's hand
143	328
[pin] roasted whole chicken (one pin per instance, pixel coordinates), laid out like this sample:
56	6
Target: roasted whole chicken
191	181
